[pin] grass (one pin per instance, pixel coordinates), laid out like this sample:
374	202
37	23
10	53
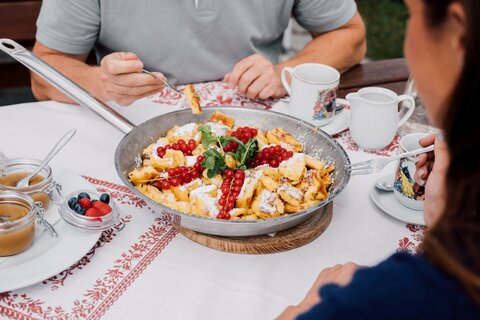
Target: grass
386	21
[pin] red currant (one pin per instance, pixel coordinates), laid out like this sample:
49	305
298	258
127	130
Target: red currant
195	174
229	206
175	182
166	184
274	163
238	182
239	174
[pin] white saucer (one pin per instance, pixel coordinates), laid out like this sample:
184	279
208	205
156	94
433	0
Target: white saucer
339	123
389	204
49	256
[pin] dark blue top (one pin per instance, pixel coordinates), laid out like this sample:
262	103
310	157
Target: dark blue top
402	287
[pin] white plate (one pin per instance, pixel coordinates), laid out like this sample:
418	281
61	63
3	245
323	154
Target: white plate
339	123
49	256
390	205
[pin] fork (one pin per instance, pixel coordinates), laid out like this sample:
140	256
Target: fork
161	79
377	164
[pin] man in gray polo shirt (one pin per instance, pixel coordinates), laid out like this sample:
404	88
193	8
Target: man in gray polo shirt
189	41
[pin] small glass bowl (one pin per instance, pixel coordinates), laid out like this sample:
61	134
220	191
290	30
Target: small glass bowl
85	223
16	235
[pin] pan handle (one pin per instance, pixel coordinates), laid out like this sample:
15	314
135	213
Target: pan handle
65	85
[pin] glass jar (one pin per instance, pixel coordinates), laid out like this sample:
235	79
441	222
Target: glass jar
17	222
42	188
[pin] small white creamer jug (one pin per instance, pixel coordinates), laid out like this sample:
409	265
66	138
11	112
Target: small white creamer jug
375	116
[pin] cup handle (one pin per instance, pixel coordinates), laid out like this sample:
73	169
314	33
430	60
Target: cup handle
283	76
410	105
343	102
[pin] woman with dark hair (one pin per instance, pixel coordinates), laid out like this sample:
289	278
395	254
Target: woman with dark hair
443	280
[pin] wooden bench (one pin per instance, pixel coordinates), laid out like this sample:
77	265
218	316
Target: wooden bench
392	74
17	22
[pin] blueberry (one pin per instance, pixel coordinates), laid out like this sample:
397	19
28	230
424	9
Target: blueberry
72	202
83	195
105	198
79	209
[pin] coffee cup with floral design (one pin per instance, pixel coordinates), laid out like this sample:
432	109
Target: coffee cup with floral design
405	188
313	92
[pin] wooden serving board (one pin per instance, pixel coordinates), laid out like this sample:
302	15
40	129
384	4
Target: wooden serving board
285	240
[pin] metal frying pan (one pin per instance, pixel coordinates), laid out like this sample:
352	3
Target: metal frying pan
317	143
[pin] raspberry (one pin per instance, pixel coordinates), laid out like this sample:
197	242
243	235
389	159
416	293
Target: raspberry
85	203
103	207
93	212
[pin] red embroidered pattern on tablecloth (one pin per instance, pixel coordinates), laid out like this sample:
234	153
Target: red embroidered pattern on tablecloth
347	142
107	289
217	93
106	237
412	243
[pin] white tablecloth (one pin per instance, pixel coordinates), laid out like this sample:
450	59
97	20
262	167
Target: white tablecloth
173	277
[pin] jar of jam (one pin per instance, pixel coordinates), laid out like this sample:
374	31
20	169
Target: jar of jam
18	213
42	188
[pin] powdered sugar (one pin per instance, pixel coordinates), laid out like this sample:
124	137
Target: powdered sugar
267	202
185	130
251	179
218	129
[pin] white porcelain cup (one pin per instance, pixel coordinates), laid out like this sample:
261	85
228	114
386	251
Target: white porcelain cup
313	92
375	117
405	188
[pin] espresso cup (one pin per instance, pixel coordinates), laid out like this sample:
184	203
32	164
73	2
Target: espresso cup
405	188
313	92
375	116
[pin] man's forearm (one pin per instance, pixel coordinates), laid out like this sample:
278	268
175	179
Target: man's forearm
341	48
78	71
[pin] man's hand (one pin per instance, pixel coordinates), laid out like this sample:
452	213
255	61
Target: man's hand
122	80
257	78
341	274
431	172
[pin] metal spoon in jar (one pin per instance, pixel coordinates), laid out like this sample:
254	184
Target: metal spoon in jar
24	182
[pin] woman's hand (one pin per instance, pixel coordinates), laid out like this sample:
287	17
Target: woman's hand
431	172
341	274
122	80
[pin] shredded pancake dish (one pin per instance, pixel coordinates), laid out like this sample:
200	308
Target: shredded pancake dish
219	170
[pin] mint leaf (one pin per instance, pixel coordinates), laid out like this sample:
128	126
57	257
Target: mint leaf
245	152
207	136
233	155
209	163
224	140
251	149
214	162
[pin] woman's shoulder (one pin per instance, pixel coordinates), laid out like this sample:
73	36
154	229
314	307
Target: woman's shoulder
402	286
